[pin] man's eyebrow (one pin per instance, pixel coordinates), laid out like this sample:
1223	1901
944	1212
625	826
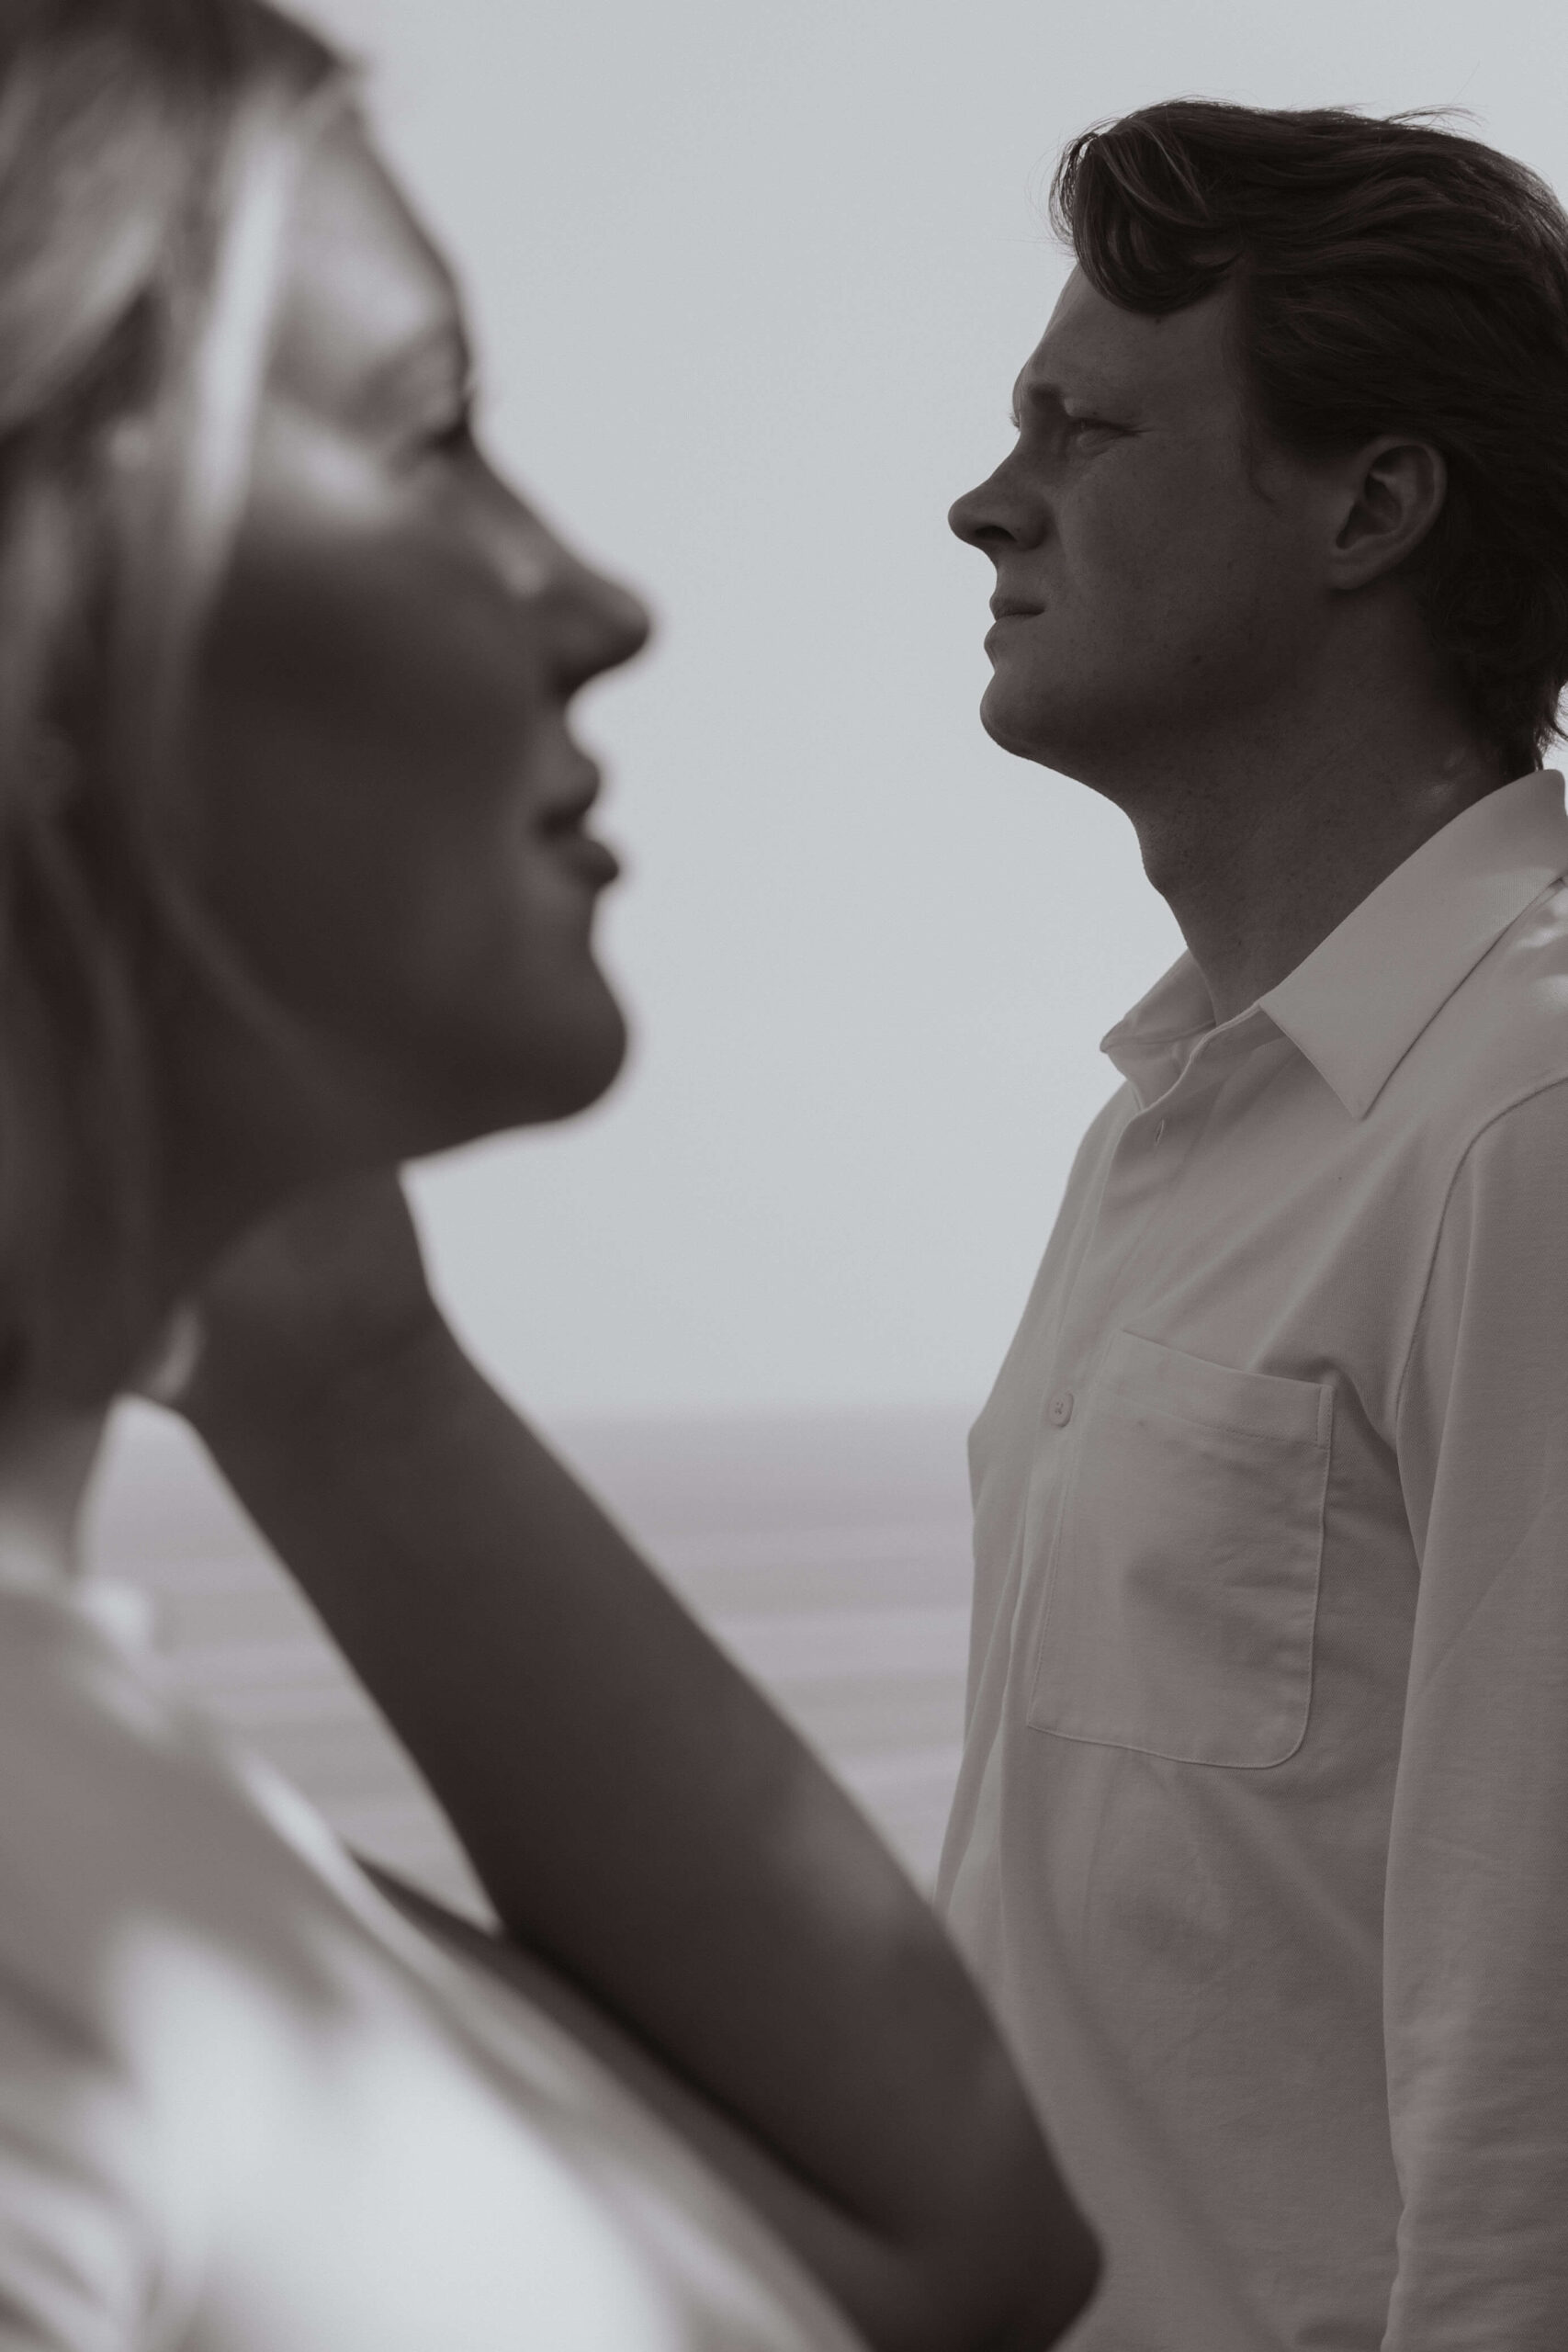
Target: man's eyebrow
1033	393
1038	392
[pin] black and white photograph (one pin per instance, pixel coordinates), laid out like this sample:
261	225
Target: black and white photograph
783	1176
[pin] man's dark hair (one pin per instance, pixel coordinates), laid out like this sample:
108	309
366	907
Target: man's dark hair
1391	276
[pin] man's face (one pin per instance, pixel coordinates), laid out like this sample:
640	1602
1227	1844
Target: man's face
1157	569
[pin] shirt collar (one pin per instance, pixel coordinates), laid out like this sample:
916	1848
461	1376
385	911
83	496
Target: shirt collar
1357	1004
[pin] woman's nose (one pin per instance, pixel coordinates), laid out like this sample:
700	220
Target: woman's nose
596	623
600	623
624	620
580	621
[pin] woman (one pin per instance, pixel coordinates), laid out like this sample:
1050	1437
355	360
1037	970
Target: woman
296	886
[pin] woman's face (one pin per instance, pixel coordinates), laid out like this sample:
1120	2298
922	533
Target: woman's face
389	801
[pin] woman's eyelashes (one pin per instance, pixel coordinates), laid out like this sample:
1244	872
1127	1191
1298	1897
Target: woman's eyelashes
453	436
457	434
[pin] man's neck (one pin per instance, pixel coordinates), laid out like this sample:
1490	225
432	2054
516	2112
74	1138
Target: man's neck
1258	867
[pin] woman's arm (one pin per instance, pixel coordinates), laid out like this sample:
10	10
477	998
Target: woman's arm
873	2282
635	1809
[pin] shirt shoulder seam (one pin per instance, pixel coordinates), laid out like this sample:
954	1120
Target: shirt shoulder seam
1526	1095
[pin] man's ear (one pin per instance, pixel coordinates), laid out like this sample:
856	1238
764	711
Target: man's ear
1393	493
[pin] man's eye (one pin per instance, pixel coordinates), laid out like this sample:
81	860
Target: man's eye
1073	427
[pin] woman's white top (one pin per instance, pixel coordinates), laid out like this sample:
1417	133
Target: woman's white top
245	2107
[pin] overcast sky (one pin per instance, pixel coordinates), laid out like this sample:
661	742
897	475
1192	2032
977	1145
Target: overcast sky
751	280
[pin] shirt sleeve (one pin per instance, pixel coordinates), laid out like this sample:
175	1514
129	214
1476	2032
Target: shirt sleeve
1476	1915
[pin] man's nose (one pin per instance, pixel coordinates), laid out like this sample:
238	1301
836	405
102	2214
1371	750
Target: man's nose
962	517
978	517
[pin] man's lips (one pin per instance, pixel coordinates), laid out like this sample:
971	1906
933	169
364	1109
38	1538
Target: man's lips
1008	608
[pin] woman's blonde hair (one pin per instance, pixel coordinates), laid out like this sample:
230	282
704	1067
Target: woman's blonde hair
147	150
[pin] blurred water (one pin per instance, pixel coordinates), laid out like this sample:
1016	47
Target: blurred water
829	1554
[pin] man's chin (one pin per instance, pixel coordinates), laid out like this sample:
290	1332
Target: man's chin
1082	745
1017	732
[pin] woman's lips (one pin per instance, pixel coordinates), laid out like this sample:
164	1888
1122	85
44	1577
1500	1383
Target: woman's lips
584	855
563	822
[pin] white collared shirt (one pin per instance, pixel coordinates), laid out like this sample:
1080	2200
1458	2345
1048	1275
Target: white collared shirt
1260	1844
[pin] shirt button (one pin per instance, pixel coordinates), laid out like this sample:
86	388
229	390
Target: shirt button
1059	1411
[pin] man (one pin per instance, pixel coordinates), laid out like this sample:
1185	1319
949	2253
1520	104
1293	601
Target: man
1260	1840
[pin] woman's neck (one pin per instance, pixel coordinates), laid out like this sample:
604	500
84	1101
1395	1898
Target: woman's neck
47	1455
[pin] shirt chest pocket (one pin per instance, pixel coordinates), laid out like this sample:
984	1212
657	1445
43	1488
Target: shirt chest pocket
1183	1593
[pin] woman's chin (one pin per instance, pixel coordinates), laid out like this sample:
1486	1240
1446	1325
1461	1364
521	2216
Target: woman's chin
587	1066
534	1079
423	1088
